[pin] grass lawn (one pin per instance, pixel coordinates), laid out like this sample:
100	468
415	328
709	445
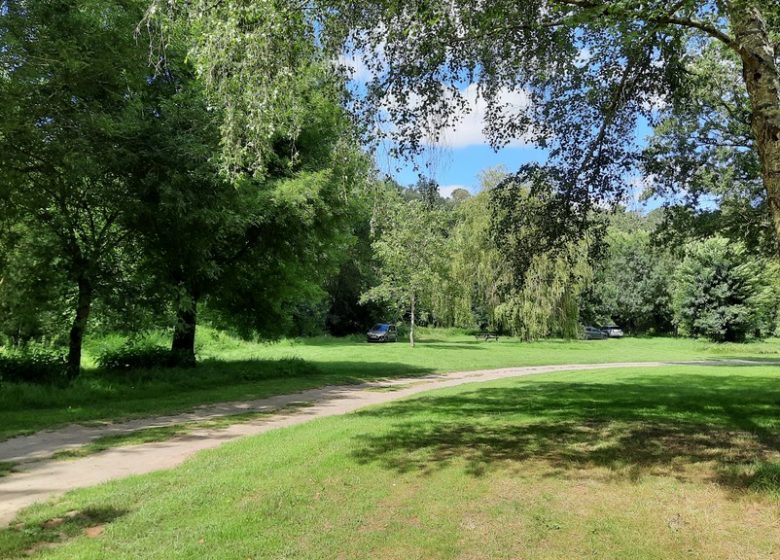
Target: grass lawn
234	369
669	463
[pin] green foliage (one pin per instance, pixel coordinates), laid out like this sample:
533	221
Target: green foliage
577	78
478	275
32	363
139	354
115	200
411	251
260	64
723	293
631	284
34	290
539	233
76	80
547	302
702	150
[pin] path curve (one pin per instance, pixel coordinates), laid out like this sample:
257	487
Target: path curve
39	477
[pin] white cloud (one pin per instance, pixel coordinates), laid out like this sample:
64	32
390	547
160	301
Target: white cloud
470	128
447	190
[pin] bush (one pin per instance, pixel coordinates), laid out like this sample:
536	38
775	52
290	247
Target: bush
141	355
723	293
33	363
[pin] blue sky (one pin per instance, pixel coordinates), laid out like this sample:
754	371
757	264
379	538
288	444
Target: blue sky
463	151
459	166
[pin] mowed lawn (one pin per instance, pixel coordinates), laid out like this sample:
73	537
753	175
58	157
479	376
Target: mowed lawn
679	462
234	369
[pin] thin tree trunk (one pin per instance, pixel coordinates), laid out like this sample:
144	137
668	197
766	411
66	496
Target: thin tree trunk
411	330
183	344
762	80
79	327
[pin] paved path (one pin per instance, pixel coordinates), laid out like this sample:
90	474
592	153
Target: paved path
39	478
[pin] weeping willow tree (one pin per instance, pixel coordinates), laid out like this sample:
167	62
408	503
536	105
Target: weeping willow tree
546	302
478	277
537	229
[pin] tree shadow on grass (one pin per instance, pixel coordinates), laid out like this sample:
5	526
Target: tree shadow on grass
217	373
633	427
22	539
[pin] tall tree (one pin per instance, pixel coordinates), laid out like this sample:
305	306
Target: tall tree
723	293
631	282
573	76
70	77
252	246
478	276
411	252
428	190
534	228
701	158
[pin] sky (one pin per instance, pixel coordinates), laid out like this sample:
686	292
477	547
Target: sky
464	151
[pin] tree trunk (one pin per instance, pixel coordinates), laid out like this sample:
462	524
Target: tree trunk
762	80
79	327
183	345
411	329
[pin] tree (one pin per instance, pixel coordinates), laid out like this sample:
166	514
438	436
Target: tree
573	76
702	158
71	77
411	251
631	283
250	55
460	195
273	235
478	276
724	294
32	299
428	191
530	226
346	313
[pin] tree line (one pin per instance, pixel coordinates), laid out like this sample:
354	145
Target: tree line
166	163
486	262
118	207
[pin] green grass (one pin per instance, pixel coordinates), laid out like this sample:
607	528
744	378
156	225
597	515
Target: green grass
234	370
668	463
6	468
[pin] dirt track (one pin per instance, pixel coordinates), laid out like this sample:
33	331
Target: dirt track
39	477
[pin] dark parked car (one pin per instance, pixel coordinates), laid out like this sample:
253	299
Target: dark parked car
382	332
613	331
592	333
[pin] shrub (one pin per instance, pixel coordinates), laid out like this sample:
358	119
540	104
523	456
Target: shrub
141	355
723	293
33	363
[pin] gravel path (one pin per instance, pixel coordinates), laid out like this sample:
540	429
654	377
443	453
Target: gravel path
39	477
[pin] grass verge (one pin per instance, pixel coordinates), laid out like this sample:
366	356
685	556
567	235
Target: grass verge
669	463
236	370
6	468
